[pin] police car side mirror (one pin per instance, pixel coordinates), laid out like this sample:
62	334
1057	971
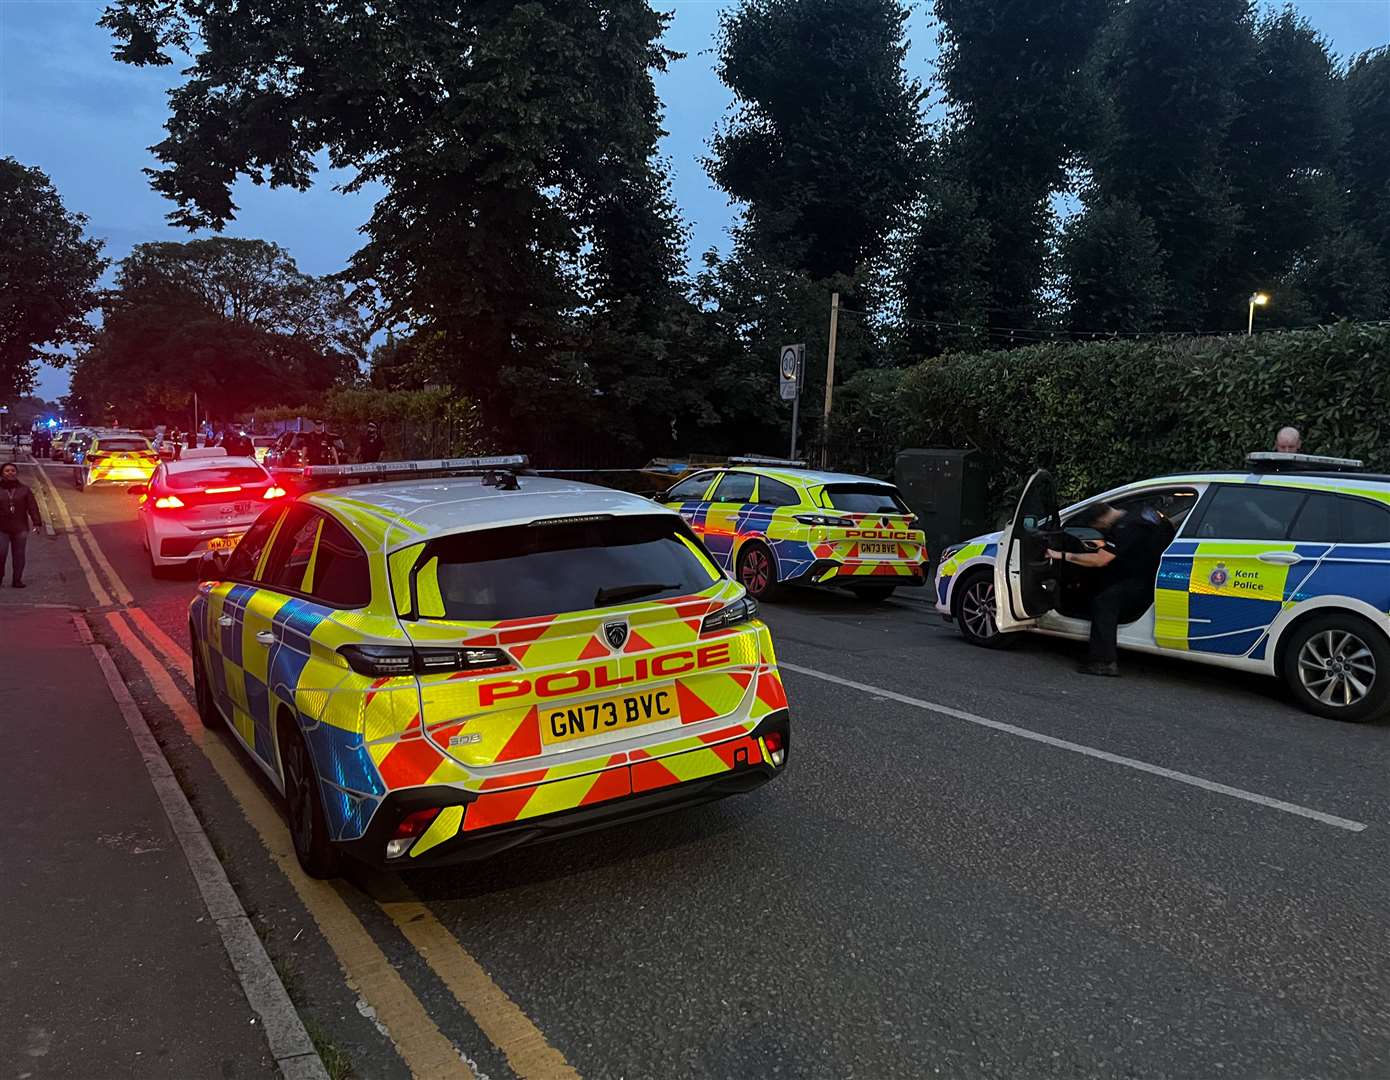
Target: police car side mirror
212	566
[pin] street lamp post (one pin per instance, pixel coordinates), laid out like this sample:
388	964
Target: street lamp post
1258	299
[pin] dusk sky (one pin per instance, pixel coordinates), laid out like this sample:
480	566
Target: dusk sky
86	120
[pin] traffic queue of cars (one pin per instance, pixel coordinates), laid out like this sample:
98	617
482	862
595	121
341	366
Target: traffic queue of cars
438	660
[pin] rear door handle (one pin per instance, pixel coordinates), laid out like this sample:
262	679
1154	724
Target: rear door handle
1280	558
265	637
225	621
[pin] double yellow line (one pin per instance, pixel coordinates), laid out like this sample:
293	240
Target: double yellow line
426	1051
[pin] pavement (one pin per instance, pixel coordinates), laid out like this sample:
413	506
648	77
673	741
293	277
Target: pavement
978	864
112	965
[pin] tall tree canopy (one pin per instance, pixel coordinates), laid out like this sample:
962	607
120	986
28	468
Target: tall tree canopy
504	135
824	145
1019	109
1367	168
233	320
48	274
1167	72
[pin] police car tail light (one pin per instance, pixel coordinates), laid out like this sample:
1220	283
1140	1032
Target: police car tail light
776	747
388	661
825	521
273	493
168	502
740	611
410	829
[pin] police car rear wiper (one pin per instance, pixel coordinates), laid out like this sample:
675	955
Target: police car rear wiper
617	593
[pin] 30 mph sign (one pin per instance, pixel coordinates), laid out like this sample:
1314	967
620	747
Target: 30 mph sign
793	356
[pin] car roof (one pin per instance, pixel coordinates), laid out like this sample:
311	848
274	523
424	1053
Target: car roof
810	477
403	512
220	462
1375	485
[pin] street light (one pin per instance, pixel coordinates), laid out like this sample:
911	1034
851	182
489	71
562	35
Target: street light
1258	299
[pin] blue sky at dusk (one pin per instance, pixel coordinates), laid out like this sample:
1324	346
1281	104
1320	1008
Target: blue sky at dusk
86	120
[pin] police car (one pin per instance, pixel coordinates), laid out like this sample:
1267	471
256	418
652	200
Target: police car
115	457
1284	569
771	522
440	667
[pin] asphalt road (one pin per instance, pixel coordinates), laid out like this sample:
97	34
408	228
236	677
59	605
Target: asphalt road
956	884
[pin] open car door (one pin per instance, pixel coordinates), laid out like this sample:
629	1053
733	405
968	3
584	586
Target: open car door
1026	581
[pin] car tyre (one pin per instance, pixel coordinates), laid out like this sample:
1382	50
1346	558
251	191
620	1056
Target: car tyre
304	805
974	608
756	570
1338	666
872	594
202	689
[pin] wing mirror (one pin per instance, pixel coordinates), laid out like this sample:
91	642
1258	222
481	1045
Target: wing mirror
212	566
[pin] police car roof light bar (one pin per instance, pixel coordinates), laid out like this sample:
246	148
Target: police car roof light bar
499	470
1272	461
753	459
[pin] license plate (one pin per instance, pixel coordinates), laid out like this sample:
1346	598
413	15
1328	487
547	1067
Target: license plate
564	723
878	549
222	543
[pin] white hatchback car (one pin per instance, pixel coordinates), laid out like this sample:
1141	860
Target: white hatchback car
200	503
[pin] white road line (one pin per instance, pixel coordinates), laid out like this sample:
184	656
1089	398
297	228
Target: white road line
1089	751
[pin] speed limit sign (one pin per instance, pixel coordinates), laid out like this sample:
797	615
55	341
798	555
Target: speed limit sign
789	369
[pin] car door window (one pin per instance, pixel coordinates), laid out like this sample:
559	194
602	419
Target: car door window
1364	522
690	489
775	493
1250	512
735	488
1320	519
339	574
247	554
289	563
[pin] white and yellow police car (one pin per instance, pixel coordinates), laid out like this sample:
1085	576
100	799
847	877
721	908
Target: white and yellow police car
436	667
771	522
1283	569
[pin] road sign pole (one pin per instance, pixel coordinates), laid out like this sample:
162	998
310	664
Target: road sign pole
796	403
829	378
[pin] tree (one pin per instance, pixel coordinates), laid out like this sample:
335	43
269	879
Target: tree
824	145
1367	162
1019	109
940	274
1166	73
1282	150
498	131
1112	269
235	321
48	274
1341	276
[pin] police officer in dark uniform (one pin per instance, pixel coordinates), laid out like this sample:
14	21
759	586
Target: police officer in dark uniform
1128	564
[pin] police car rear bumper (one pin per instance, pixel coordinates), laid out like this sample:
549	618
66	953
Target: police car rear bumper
484	843
827	572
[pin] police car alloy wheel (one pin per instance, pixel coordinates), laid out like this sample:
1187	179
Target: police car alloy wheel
1339	667
975	610
757	571
308	824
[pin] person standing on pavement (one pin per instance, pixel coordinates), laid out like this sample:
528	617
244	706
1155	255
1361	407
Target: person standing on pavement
1128	563
371	445
18	510
1288	441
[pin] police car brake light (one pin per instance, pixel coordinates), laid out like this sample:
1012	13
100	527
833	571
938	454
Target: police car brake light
825	521
740	611
776	747
393	661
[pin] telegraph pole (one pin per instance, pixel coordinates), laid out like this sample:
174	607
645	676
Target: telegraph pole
829	377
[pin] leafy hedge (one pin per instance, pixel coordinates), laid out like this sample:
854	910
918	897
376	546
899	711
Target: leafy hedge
1102	414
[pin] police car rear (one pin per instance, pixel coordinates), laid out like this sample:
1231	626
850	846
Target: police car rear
528	658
